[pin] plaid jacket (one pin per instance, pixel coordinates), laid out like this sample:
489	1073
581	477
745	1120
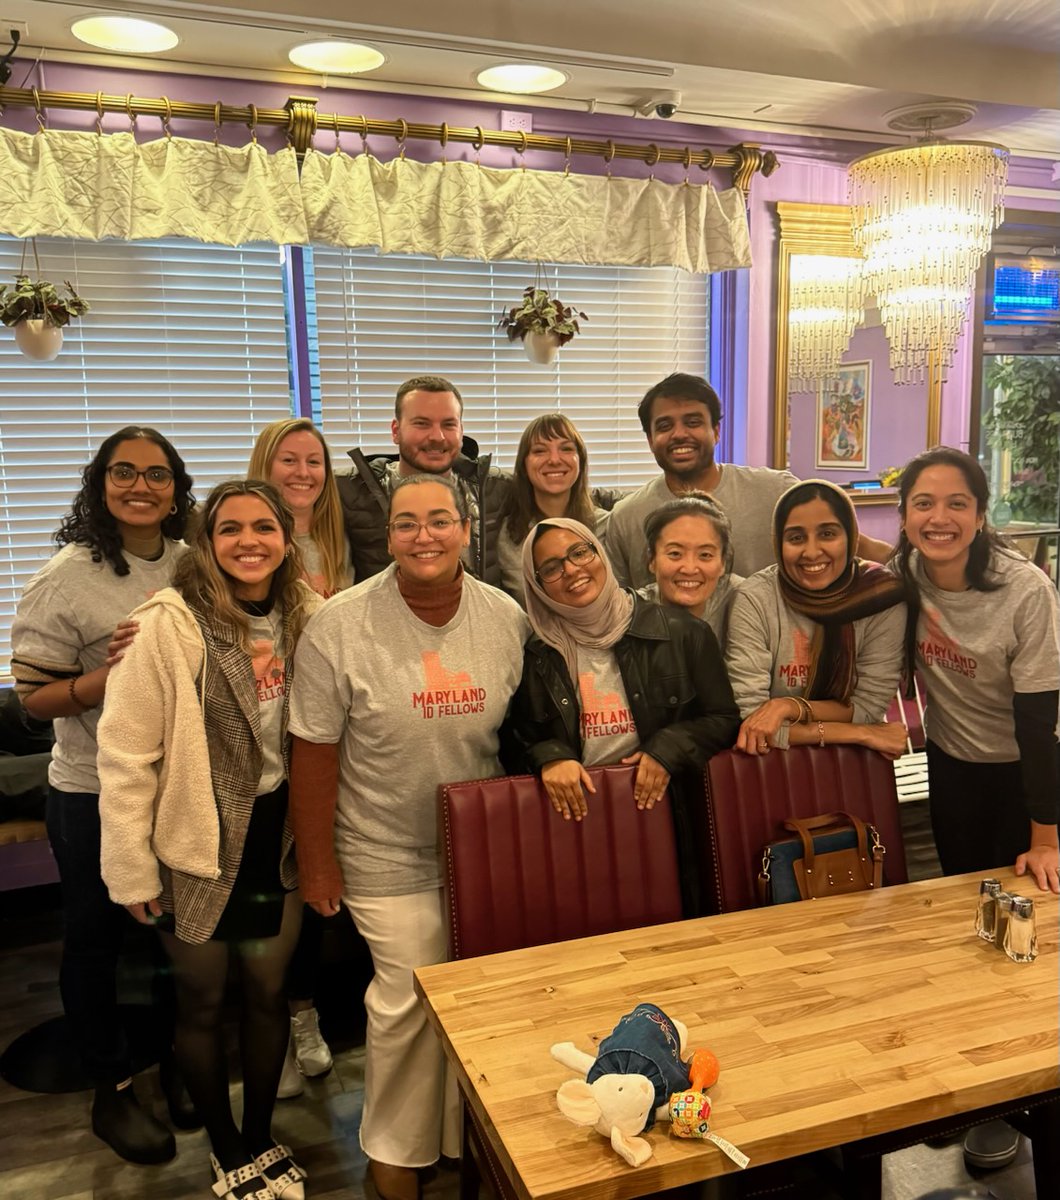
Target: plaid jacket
233	735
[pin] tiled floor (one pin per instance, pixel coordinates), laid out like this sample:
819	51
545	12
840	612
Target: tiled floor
47	1151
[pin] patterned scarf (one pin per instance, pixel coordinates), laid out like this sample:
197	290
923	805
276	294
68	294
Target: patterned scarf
861	590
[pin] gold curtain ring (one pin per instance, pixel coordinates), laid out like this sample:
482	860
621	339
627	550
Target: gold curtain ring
610	155
480	141
403	127
41	119
708	160
443	137
687	160
522	142
99	113
129	111
335	126
253	123
168	117
655	151
218	120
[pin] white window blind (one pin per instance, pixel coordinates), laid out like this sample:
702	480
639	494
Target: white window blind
384	318
184	337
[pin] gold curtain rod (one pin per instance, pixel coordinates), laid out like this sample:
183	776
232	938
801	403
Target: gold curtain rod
301	121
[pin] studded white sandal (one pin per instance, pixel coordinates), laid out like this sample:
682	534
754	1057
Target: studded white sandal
228	1180
289	1185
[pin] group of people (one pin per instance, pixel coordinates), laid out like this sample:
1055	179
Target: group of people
256	698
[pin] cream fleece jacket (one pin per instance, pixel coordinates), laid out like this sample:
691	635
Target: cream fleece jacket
156	799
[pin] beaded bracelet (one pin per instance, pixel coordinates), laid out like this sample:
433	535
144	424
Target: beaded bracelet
820	733
75	697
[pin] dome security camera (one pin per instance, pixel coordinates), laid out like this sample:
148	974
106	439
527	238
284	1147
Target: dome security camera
660	104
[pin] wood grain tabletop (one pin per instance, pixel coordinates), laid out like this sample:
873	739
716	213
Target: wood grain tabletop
833	1020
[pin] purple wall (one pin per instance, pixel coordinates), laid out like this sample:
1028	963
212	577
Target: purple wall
812	170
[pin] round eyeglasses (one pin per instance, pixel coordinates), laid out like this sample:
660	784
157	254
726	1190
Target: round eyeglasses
406	530
124	475
579	555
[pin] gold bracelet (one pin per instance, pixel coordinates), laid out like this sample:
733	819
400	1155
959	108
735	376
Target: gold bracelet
820	733
799	716
806	710
75	697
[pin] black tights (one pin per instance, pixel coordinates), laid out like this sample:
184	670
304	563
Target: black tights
199	973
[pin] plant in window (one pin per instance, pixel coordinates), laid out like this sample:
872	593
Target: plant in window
542	322
38	311
1024	418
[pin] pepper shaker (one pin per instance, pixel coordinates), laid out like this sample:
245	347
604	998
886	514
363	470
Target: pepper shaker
1002	913
986	913
1021	936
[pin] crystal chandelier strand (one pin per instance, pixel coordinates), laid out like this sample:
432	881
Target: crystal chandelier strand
923	217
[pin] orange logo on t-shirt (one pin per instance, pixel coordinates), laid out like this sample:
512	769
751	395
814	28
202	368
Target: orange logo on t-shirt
603	714
447	693
937	649
796	672
268	670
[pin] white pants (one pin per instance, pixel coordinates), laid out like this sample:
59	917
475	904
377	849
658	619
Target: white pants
411	1100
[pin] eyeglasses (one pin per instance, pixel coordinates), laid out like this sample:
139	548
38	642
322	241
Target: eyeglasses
579	555
124	475
408	530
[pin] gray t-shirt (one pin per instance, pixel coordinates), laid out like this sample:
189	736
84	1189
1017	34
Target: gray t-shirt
716	613
270	667
63	626
608	730
768	652
510	555
314	565
747	494
977	649
412	706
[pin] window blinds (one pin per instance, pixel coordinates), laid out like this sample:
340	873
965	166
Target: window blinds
382	319
185	337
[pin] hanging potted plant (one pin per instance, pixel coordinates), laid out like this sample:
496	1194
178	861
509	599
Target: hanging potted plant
37	312
542	322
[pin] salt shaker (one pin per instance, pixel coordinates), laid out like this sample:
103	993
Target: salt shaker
986	913
1021	936
1002	913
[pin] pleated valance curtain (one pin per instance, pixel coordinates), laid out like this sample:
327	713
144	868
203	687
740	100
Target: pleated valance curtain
87	186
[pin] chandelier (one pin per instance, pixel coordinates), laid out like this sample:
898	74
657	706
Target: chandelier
922	218
825	305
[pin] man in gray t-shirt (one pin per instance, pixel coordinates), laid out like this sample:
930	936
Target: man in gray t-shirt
681	418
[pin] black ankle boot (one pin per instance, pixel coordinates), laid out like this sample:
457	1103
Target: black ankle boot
130	1131
182	1112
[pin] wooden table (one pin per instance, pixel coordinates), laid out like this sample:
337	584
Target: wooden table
833	1020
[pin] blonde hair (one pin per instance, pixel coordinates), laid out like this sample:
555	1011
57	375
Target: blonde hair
203	584
326	527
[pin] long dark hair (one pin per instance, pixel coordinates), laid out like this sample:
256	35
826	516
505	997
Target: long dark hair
90	523
978	569
521	511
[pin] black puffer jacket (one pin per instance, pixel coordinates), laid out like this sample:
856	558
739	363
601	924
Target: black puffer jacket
675	679
366	500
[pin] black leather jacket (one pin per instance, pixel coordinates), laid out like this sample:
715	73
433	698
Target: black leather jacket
675	679
366	500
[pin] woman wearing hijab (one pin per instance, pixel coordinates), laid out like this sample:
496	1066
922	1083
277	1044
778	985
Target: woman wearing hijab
610	677
815	645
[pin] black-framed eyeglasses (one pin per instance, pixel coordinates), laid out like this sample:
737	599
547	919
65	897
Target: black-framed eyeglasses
579	555
407	530
124	475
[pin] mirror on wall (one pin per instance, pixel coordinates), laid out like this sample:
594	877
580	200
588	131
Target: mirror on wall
857	422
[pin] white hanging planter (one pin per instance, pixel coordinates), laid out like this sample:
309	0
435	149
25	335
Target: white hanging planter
38	339
541	347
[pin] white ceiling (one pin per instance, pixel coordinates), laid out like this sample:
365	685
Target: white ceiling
831	67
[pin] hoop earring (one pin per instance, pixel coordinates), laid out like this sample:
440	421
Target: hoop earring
173	511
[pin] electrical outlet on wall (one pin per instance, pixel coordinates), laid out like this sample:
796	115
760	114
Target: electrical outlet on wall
517	121
6	25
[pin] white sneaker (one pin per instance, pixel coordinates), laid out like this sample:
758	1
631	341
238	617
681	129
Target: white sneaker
310	1050
291	1078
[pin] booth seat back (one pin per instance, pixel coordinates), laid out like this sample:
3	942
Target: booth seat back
749	797
518	874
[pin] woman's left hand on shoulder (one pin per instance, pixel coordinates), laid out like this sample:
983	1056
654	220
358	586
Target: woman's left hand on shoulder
1043	862
651	781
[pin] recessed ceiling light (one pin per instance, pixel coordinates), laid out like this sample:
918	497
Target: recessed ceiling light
337	58
523	78
130	35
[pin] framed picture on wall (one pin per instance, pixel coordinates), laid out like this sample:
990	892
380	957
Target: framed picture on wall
843	418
